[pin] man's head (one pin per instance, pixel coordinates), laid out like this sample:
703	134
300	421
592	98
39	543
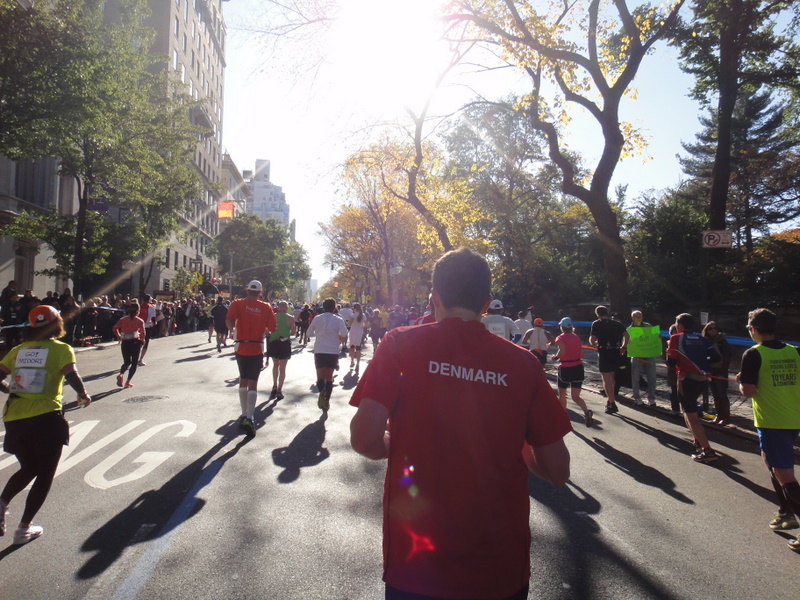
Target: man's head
761	321
495	307
146	298
601	312
254	289
329	305
636	317
462	279
283	306
220	299
685	321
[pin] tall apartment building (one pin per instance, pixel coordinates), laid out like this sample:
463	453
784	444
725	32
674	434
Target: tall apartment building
192	34
267	199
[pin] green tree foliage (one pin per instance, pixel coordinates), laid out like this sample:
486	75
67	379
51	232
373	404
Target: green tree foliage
260	249
733	46
669	269
764	186
88	96
542	244
584	54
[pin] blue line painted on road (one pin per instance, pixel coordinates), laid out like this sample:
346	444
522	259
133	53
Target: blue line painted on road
136	580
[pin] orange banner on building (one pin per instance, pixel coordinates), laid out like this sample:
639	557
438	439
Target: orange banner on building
225	210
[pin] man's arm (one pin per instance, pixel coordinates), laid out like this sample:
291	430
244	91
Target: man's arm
550	462
368	435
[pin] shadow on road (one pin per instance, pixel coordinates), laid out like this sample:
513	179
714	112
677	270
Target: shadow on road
153	511
635	468
569	563
305	450
97	376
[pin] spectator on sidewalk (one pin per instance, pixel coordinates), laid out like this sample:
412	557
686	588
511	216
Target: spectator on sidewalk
644	347
719	375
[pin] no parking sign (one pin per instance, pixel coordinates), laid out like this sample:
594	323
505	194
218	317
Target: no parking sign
717	238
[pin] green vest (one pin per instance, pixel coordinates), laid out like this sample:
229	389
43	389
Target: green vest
283	330
645	342
776	403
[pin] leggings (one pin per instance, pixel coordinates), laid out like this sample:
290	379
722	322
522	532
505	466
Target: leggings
130	356
37	461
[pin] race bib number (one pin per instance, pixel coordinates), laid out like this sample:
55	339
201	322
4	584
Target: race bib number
29	371
497	329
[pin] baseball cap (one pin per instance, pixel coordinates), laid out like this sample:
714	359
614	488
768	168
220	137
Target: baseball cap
565	322
495	305
254	286
42	315
538	322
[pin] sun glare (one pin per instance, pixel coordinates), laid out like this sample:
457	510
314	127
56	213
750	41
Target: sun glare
387	54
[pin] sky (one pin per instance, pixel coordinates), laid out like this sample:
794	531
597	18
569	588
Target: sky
307	120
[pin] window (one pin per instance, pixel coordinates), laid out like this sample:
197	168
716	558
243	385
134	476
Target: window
184	261
166	260
185	44
177	27
166	284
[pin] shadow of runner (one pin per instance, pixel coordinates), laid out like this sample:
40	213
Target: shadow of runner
149	516
635	468
305	450
568	565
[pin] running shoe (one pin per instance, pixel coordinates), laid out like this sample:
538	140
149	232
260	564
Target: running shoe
274	392
3	513
119	380
783	521
651	403
240	421
128	384
279	395
23	535
795	544
249	428
706	456
323	403
638	402
587	418
609	410
142	363
698	447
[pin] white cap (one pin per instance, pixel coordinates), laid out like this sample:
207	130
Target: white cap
495	305
254	286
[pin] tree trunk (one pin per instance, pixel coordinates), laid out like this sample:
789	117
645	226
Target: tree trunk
728	90
79	279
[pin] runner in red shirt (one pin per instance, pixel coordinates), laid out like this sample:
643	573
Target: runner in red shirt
131	333
468	411
253	320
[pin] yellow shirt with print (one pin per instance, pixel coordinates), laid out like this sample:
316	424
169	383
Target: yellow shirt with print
36	380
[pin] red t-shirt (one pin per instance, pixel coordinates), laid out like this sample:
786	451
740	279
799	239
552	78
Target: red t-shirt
253	318
462	402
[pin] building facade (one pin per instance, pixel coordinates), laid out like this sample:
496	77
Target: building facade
192	34
267	200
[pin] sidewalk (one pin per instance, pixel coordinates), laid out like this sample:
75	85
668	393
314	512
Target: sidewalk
741	409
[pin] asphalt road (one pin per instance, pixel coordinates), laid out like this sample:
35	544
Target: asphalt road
159	496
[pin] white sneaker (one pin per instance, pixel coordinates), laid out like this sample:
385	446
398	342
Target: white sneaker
637	401
23	536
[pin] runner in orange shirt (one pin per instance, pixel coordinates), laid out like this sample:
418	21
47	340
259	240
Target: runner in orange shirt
253	320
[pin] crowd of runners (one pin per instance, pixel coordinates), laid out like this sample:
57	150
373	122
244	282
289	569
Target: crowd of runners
261	331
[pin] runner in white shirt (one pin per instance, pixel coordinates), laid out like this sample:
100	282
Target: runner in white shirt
497	323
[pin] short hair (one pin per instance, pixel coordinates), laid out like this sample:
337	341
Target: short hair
329	305
462	279
601	311
764	320
686	320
